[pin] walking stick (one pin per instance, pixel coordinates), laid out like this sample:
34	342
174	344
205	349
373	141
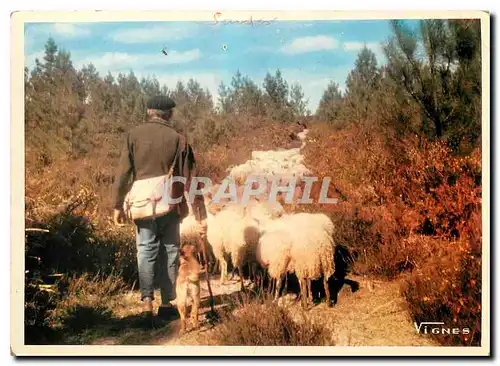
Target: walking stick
212	315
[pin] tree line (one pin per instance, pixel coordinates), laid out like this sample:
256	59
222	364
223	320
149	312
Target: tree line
431	86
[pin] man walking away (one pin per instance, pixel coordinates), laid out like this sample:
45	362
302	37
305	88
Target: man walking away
150	151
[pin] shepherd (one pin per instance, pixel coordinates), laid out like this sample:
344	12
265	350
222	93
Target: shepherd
152	154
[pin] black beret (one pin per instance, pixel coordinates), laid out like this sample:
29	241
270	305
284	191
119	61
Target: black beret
160	102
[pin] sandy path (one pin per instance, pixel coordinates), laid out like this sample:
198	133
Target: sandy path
375	315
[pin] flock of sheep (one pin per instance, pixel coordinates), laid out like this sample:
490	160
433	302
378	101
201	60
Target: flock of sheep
270	241
261	235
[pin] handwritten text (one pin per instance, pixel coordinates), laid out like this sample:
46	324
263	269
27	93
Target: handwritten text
250	21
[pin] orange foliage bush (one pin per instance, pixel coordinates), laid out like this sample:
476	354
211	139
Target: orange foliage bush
407	204
448	289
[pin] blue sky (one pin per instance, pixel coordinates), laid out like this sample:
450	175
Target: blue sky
312	53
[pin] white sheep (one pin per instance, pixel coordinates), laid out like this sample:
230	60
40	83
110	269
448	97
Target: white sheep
312	253
232	234
317	219
274	249
271	163
300	243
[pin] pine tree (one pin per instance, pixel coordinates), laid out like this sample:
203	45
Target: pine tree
109	79
165	91
150	86
243	97
365	74
276	97
236	95
63	62
90	82
361	84
50	56
299	105
224	104
330	103
444	79
276	89
251	98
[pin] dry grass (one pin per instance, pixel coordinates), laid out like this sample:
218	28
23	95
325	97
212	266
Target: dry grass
257	324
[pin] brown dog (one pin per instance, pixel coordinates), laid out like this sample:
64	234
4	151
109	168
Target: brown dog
188	285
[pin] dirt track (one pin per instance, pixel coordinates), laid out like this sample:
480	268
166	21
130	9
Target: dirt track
362	318
374	315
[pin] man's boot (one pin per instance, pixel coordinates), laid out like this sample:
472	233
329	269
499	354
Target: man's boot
145	318
168	311
148	306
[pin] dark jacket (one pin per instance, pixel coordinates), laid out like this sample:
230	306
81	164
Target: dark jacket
149	151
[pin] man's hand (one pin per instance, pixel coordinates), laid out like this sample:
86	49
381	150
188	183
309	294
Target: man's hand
119	217
203	227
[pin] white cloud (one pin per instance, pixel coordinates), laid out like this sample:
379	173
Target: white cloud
151	34
121	60
40	32
176	57
310	44
70	30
